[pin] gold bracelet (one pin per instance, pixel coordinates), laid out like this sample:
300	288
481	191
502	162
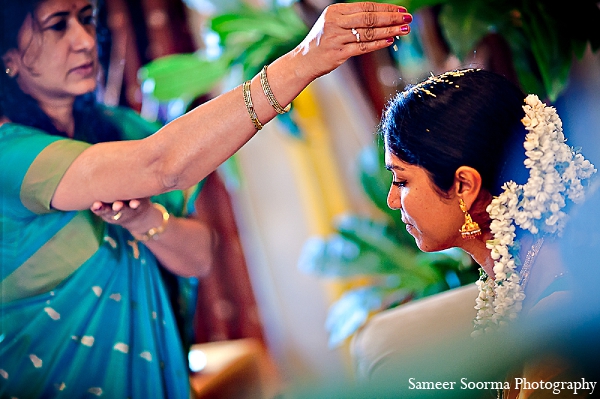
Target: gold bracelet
154	232
250	107
264	82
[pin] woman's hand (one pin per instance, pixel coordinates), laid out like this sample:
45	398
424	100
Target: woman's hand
122	213
185	246
136	215
347	29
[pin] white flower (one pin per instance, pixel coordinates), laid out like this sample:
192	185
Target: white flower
555	173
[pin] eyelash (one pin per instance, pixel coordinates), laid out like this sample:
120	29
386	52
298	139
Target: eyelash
62	25
59	26
88	20
399	184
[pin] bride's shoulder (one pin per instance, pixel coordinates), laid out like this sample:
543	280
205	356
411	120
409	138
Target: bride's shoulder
549	279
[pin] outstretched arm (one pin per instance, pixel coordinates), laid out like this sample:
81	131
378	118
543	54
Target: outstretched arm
190	147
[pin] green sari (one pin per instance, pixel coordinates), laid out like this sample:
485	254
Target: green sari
84	311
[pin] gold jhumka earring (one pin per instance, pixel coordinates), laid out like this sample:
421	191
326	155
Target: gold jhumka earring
470	229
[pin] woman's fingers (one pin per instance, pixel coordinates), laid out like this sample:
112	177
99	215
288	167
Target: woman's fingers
96	206
365	35
134	204
371	21
353	49
347	29
374	20
117	211
117	206
369	6
360	28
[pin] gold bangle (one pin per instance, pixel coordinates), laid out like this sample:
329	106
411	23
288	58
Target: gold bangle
264	82
250	107
154	232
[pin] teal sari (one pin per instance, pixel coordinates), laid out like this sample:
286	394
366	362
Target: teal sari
84	311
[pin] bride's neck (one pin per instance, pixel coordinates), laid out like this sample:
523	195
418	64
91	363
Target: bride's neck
480	253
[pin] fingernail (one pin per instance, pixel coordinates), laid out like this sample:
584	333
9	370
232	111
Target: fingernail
404	28
407	18
390	40
402	9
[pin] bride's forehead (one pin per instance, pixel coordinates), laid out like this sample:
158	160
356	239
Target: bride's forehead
392	161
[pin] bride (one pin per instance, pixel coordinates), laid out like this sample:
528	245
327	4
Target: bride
478	165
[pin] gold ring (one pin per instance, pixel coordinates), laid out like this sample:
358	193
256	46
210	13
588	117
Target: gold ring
355	33
117	216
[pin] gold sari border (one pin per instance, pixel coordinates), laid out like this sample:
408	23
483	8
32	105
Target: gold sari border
56	260
38	185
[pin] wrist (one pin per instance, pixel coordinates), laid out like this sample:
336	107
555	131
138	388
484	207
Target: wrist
154	232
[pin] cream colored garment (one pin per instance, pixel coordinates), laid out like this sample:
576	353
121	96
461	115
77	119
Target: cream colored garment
403	331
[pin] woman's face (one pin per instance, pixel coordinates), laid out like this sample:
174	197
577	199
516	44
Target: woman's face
432	219
57	56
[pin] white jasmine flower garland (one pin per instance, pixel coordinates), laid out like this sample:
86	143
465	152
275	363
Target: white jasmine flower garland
556	174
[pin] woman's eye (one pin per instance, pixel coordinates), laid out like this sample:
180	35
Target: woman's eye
59	26
88	20
401	183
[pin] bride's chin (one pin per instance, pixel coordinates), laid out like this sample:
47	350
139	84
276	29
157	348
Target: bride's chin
425	246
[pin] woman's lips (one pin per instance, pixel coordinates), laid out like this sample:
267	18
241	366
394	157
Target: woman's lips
84	70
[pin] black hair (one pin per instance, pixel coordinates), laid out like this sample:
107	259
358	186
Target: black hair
460	118
90	124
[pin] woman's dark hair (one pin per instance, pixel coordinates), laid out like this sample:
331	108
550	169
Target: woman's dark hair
19	107
460	118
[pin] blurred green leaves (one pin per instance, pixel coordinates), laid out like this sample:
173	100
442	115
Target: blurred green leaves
248	37
184	76
257	37
544	38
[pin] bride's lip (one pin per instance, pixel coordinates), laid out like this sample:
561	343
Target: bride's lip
409	226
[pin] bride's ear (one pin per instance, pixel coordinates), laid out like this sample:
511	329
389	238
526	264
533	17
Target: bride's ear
467	184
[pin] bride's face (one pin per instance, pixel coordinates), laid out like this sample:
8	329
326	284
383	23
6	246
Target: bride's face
56	56
432	218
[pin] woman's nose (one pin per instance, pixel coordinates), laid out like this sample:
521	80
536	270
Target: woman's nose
393	199
83	38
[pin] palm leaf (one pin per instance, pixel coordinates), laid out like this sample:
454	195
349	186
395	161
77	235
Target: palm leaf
185	76
353	309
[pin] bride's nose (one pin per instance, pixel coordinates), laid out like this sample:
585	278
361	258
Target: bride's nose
393	198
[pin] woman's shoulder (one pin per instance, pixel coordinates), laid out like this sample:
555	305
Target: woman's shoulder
9	128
